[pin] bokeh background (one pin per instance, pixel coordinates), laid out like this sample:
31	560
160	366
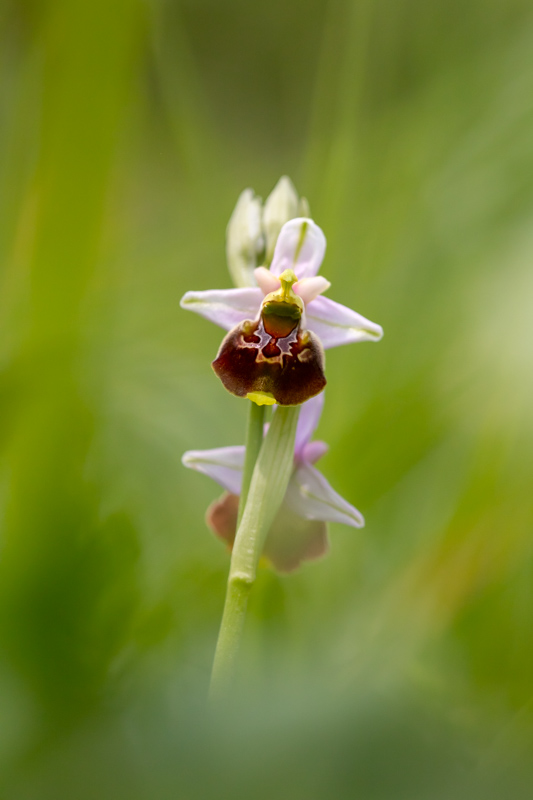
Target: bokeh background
401	666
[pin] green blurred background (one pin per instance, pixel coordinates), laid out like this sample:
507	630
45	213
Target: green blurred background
401	666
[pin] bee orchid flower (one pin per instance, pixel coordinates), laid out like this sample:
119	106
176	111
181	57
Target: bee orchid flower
279	329
299	531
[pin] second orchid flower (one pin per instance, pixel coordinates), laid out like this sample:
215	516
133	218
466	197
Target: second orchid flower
299	531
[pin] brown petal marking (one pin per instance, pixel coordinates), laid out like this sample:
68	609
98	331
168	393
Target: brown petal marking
290	541
290	367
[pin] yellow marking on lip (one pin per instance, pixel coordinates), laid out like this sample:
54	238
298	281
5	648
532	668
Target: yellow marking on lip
261	398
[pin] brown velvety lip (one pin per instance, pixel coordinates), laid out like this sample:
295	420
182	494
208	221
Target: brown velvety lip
291	367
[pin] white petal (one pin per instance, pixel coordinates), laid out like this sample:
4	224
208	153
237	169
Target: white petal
223	464
310	288
310	495
266	281
335	324
301	246
224	307
244	238
308	420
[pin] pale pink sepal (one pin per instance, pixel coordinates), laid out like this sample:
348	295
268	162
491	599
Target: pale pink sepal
310	495
335	324
225	307
301	246
223	464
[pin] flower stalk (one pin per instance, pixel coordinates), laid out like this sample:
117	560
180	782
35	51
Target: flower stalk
253	442
268	485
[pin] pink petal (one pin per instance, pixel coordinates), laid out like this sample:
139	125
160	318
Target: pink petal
335	324
314	451
310	288
223	464
308	420
301	246
266	281
225	307
310	495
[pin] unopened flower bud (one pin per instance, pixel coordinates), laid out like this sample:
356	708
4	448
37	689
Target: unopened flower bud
303	208
244	239
280	206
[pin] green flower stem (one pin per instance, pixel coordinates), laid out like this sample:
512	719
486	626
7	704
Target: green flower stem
269	482
254	440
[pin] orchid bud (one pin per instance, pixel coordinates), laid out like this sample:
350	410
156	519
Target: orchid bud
244	239
280	206
303	208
